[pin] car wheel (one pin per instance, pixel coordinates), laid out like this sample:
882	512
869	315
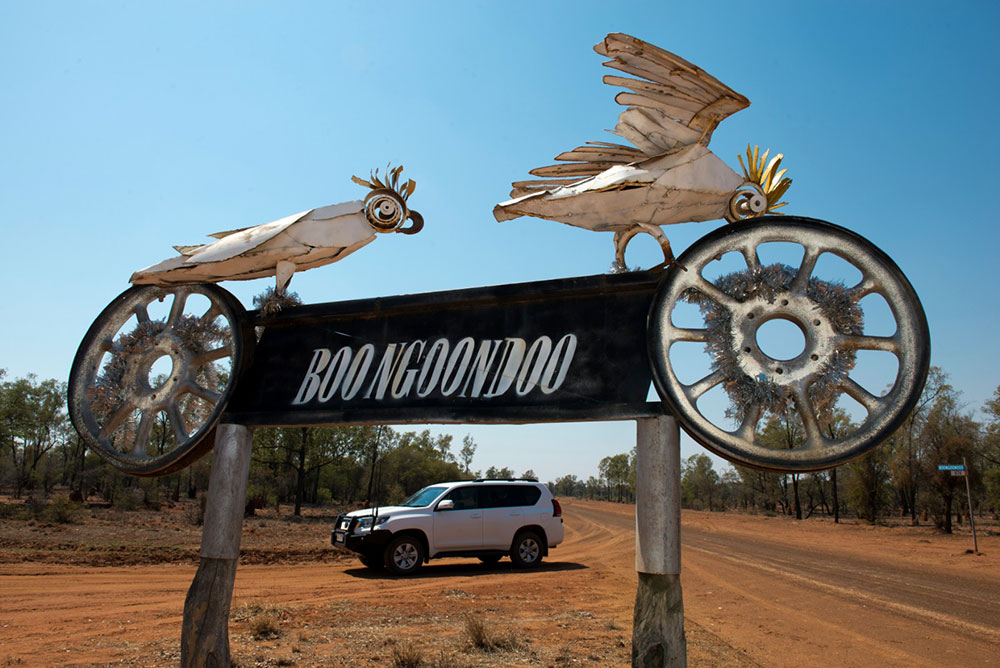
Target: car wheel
404	555
490	560
526	550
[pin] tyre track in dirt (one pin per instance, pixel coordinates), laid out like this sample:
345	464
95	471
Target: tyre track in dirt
789	604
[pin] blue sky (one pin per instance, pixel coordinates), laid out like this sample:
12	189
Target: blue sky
127	128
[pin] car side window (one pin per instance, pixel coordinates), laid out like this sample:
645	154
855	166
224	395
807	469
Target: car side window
465	498
509	496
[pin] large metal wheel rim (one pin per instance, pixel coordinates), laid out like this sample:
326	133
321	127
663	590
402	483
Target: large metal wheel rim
405	556
99	431
910	343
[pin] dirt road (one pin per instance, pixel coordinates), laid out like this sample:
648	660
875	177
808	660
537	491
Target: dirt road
758	592
794	598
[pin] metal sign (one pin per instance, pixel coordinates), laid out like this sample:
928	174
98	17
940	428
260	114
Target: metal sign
951	467
569	349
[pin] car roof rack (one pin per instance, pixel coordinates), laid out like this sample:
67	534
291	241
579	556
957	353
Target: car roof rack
505	480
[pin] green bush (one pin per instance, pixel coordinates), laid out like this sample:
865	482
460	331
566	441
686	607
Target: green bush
61	510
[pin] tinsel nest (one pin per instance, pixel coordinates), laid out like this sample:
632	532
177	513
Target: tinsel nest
271	302
196	335
768	283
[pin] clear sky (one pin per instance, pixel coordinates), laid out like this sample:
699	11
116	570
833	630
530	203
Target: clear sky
126	128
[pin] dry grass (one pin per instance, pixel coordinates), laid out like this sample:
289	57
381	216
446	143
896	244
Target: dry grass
263	621
488	638
405	655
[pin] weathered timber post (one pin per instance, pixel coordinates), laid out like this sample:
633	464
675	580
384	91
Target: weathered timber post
658	623
205	629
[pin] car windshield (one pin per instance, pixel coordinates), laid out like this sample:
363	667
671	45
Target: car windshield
424	497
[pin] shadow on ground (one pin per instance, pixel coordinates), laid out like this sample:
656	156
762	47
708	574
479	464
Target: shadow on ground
464	569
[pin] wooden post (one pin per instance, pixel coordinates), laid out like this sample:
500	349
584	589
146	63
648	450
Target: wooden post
205	629
658	623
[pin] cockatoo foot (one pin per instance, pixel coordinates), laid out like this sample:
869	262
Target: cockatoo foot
623	237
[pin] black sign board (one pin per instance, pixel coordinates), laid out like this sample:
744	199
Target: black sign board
569	349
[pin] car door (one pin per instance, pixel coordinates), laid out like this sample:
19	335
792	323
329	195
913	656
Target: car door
506	508
460	527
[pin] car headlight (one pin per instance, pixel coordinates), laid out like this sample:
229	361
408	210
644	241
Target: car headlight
367	523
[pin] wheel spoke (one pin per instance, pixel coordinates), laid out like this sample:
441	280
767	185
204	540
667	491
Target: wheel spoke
141	314
177	422
699	388
684	334
177	308
142	433
809	258
750	255
804	407
211	356
213	312
197	390
861	395
714	293
748	427
116	419
864	288
107	345
887	344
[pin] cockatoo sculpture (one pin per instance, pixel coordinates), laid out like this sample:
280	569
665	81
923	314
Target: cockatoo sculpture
294	243
671	177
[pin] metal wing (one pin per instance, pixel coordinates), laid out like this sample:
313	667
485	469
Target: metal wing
673	104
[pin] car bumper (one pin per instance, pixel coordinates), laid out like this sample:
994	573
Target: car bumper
368	542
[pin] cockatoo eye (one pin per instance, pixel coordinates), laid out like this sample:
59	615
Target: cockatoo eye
387	209
384	210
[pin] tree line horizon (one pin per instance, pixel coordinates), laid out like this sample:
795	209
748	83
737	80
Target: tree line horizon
351	466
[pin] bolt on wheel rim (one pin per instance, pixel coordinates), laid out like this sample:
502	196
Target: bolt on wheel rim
154	373
826	374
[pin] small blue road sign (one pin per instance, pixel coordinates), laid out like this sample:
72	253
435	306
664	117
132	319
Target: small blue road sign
951	467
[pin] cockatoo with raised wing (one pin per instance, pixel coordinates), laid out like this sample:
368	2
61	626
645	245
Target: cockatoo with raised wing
294	243
671	177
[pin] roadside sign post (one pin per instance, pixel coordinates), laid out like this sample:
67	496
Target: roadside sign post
962	471
972	514
205	625
658	627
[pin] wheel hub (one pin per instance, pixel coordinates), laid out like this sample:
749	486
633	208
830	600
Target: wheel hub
804	313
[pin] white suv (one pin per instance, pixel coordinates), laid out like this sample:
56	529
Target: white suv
471	518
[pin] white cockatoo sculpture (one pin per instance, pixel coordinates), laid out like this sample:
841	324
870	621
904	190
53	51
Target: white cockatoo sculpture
294	243
671	177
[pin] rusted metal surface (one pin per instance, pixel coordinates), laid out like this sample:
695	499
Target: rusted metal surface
149	422
825	341
672	109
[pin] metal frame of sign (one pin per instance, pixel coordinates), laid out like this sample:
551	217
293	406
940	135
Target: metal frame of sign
561	350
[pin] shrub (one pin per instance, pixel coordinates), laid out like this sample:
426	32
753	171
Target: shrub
484	637
61	510
405	655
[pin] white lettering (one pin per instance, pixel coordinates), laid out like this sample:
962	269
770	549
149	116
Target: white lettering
356	374
564	350
311	382
484	369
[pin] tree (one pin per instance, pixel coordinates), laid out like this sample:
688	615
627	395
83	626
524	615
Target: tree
32	422
783	431
949	437
493	473
467	452
699	482
905	444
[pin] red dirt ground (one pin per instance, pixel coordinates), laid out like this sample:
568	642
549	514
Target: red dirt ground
758	591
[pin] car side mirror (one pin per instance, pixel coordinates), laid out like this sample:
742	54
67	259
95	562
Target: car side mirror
447	504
